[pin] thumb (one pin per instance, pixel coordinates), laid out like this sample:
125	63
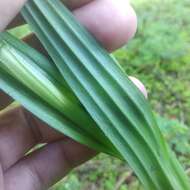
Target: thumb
8	10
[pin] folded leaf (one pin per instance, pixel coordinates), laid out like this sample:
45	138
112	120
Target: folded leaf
115	104
41	82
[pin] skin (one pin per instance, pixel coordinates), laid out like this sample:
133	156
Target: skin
20	131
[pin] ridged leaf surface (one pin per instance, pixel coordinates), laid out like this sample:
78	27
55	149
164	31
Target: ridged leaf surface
110	98
120	114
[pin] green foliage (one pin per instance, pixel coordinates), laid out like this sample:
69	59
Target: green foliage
68	184
124	116
159	55
160	38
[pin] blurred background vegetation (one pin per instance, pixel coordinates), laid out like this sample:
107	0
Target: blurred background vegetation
159	56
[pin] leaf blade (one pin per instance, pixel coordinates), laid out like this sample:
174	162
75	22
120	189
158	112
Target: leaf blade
62	37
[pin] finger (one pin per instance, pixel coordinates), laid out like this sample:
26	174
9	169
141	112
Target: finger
112	22
120	24
8	10
16	21
5	100
71	4
34	42
1	179
139	85
19	132
12	128
45	167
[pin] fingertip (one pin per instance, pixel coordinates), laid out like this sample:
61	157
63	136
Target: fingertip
139	85
73	4
122	27
124	24
112	22
8	10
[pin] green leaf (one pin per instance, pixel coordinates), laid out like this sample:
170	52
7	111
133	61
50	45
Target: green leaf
38	83
20	31
115	104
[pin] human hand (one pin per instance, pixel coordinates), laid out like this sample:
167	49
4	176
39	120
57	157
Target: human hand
113	23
